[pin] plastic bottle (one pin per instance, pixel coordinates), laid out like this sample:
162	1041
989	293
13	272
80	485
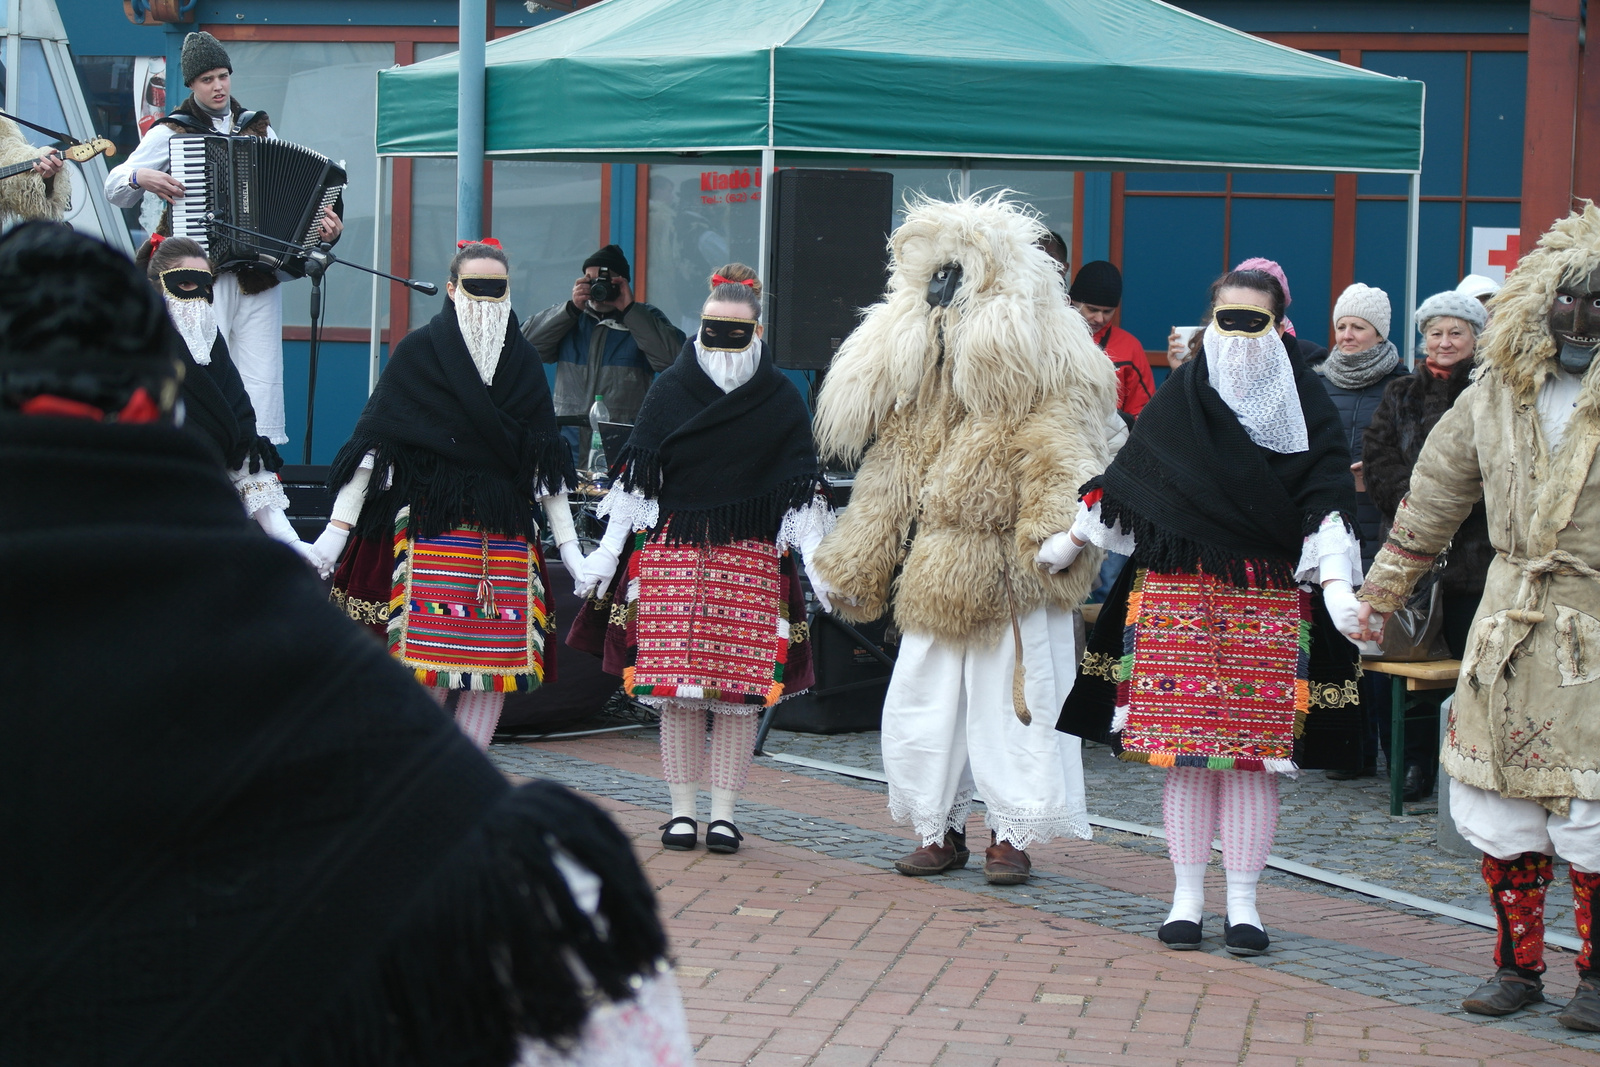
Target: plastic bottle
597	448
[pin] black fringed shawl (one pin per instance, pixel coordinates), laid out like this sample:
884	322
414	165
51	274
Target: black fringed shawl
722	466
1198	494
217	406
259	843
460	451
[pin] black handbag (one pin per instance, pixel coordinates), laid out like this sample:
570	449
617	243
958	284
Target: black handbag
1415	631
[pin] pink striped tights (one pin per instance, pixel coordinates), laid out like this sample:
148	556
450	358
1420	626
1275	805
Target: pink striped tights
1239	806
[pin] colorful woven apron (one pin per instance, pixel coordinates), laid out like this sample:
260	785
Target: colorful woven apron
709	622
468	609
1213	675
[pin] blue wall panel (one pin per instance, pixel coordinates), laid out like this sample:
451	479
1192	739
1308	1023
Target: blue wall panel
1499	107
1172	253
1445	75
341	394
1299	235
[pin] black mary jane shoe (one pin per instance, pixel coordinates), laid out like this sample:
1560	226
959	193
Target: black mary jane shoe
722	836
1180	935
680	840
1244	939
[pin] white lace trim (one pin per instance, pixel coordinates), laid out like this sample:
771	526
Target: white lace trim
1331	548
259	490
804	528
928	824
717	707
1088	526
649	1030
1023	829
639	511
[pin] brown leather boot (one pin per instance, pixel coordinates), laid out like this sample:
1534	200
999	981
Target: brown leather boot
949	854
1005	863
1503	994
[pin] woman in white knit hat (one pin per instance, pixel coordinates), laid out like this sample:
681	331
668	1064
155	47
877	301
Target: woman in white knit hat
1356	372
1450	323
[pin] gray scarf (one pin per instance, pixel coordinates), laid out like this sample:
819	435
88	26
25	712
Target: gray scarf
1357	370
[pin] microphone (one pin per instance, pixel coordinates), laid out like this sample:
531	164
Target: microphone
425	288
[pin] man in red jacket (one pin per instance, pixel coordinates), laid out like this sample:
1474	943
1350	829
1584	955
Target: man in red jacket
1097	293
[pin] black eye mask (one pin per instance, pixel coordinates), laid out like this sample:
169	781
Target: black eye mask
726	335
943	285
173	282
485	286
1241	320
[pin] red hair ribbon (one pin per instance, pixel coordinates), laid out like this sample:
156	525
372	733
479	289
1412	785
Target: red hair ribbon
490	241
139	408
717	279
155	241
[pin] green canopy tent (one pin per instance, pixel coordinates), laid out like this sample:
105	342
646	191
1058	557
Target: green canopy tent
1088	84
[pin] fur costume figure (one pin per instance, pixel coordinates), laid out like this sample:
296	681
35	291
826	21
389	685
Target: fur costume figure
974	423
1523	743
27	195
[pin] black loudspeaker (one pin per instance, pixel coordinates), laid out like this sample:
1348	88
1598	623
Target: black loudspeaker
853	664
310	501
830	259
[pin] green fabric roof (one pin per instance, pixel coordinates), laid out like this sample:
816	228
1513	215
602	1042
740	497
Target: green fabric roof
1124	82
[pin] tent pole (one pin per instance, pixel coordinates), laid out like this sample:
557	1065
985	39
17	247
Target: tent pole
966	178
1413	213
764	244
377	257
469	121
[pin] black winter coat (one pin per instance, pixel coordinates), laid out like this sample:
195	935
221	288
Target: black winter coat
1356	408
1411	407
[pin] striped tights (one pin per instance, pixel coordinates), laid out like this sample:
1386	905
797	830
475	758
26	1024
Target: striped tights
1239	806
477	714
684	763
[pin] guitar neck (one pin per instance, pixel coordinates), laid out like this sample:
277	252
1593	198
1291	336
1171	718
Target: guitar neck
17	168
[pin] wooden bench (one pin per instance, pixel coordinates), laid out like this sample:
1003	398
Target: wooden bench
1405	678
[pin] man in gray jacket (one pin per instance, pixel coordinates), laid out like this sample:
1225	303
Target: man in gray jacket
611	348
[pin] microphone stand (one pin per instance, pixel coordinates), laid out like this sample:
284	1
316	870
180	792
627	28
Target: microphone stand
317	263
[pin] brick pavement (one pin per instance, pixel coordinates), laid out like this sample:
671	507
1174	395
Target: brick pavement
805	948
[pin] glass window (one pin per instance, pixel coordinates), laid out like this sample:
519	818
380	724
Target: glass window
547	218
323	94
1049	192
39	101
433	231
698	223
432	50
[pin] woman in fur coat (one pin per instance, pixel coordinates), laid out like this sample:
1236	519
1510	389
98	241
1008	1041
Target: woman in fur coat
981	404
1523	744
695	592
1232	497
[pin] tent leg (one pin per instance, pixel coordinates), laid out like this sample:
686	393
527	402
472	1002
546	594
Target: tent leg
469	121
377	257
764	245
966	178
1413	215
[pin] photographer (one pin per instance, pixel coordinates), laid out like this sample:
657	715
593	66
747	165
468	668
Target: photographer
606	342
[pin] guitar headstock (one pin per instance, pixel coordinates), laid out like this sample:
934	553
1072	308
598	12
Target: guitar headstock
80	153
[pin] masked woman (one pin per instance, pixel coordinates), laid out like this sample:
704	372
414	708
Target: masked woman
215	403
700	607
440	476
1232	496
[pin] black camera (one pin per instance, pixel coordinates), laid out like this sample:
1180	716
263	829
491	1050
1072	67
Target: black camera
602	288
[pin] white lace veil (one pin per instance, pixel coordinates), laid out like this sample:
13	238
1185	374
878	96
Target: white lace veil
1255	380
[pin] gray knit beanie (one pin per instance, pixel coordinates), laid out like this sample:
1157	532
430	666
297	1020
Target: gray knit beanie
203	52
1364	302
1456	305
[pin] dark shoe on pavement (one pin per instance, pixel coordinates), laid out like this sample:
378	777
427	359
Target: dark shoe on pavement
1180	935
948	855
722	836
1351	774
1417	784
1244	939
1006	864
680	834
1503	994
1583	1010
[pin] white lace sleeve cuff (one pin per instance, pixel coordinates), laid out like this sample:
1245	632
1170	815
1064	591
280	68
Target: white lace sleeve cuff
1089	527
259	490
1330	553
639	511
804	528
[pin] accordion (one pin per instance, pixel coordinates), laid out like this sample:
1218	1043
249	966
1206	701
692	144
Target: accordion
252	201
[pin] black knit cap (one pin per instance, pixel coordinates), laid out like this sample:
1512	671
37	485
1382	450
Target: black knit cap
611	258
203	52
1098	283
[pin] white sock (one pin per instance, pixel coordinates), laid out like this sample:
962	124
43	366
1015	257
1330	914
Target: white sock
1188	893
684	799
1242	899
722	803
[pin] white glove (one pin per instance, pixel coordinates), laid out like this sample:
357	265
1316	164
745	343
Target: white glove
1057	552
328	547
572	558
276	524
309	554
1345	611
597	570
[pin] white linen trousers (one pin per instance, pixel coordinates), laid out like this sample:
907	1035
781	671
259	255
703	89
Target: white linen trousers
948	726
252	326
